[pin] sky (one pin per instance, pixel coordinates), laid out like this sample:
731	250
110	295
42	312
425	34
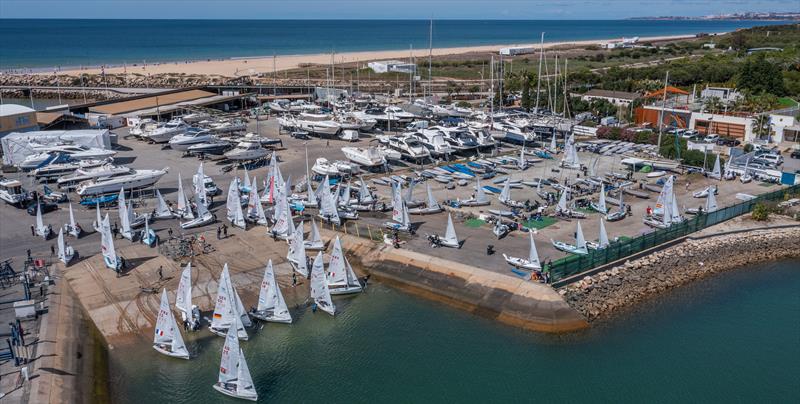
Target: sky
381	9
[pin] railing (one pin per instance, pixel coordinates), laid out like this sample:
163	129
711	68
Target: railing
576	264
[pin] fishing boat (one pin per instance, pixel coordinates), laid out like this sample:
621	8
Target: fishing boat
531	263
65	251
271	306
167	337
578	248
341	278
229	313
183	299
319	291
234	379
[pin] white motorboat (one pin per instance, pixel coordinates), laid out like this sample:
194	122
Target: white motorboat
705	191
215	147
143	127
192	136
434	141
11	192
164	133
247	150
76	151
320	124
324	167
56	170
408	146
369	157
389	154
227	127
84	174
135	179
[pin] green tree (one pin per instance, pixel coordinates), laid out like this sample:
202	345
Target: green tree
525	100
759	75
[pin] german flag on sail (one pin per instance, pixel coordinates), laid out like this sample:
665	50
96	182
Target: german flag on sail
217	315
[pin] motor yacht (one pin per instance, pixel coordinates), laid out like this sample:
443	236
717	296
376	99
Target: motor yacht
164	133
409	146
369	157
320	124
434	141
69	182
134	179
191	137
247	150
11	192
56	170
215	147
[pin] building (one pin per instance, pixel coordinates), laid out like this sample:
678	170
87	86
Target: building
517	50
618	98
386	66
731	126
724	94
17	118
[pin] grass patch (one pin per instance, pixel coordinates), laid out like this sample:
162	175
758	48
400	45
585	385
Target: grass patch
765	184
623	239
588	211
786	102
540	224
474	223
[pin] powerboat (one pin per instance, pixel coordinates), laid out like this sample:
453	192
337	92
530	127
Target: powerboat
369	157
320	124
191	137
434	141
227	127
76	151
408	146
134	179
11	192
216	147
324	167
52	171
86	174
164	133
247	150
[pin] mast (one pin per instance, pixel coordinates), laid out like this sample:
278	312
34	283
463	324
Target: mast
661	113
539	74
566	97
491	96
430	58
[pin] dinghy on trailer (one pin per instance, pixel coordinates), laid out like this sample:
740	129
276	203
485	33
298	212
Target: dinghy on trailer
319	291
341	278
228	310
167	339
234	378
578	248
328	211
531	263
162	209
184	210
41	230
183	299
271	306
65	251
431	205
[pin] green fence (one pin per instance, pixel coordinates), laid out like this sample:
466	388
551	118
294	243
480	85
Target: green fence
575	264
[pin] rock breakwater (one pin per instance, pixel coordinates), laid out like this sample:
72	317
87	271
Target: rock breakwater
601	294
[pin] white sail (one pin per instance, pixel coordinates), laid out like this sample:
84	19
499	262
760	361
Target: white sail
200	186
676	213
319	286
40	227
580	241
297	252
229	363
562	201
240	310
246	184
202	210
553	143
533	254
480	194
167	336
521	162
602	203
107	244
282	215
245	380
226	310
603	240
364	196
406	219
270	298
505	194
62	250
124	216
397	203
717	173
450	236
99	219
328	208
711	201
184	210
232	200
73	227
183	297
238	215
162	209
340	273
410	193
315	237
432	204
664	198
254	209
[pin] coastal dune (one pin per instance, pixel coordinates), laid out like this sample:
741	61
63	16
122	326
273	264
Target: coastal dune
251	65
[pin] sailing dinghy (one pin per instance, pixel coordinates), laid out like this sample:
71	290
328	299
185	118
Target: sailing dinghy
315	242
72	228
234	378
41	230
65	251
450	238
341	278
578	248
167	339
162	209
228	311
183	299
271	306
531	263
319	286
431	206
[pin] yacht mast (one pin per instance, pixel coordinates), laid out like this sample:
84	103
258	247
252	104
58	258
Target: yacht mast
539	74
430	58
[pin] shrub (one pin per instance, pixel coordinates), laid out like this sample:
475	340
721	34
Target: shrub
760	212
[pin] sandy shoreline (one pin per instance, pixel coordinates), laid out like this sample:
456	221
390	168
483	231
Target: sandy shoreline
259	64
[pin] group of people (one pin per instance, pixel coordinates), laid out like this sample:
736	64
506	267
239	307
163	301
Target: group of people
222	230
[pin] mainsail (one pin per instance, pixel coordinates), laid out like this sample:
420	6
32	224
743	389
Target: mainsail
162	209
319	286
184	210
340	273
183	298
533	254
580	241
270	298
450	236
107	244
226	310
167	332
297	252
603	240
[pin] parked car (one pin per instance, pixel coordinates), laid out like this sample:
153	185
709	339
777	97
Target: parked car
796	154
711	138
46	207
772	159
727	141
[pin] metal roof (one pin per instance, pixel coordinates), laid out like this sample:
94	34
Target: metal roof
155	101
14	109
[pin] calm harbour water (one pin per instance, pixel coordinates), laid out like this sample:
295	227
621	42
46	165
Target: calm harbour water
50	43
731	338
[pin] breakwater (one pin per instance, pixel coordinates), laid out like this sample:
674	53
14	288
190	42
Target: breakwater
601	294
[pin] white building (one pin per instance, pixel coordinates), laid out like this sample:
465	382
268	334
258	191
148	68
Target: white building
618	98
722	93
517	50
386	66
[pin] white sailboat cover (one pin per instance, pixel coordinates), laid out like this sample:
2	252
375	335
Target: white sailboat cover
183	296
319	286
711	201
533	254
340	273
167	331
270	297
183	204
297	252
229	363
62	253
603	240
107	244
226	310
162	209
432	203
450	236
580	241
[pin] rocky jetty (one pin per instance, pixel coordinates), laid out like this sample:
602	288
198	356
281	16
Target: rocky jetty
601	294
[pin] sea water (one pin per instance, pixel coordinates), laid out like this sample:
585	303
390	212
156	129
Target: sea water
734	337
47	44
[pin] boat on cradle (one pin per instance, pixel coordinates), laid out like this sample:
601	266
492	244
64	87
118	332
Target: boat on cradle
247	150
215	147
341	278
578	248
234	377
167	339
163	134
368	157
134	179
191	137
271	305
531	263
57	170
104	171
323	166
11	192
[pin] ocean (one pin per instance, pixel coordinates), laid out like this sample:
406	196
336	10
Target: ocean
39	43
732	337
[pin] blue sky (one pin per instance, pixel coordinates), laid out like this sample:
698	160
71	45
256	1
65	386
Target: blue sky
374	9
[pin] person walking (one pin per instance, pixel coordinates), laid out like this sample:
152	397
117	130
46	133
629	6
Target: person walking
52	250
161	272
33	231
169	232
219	232
225	230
